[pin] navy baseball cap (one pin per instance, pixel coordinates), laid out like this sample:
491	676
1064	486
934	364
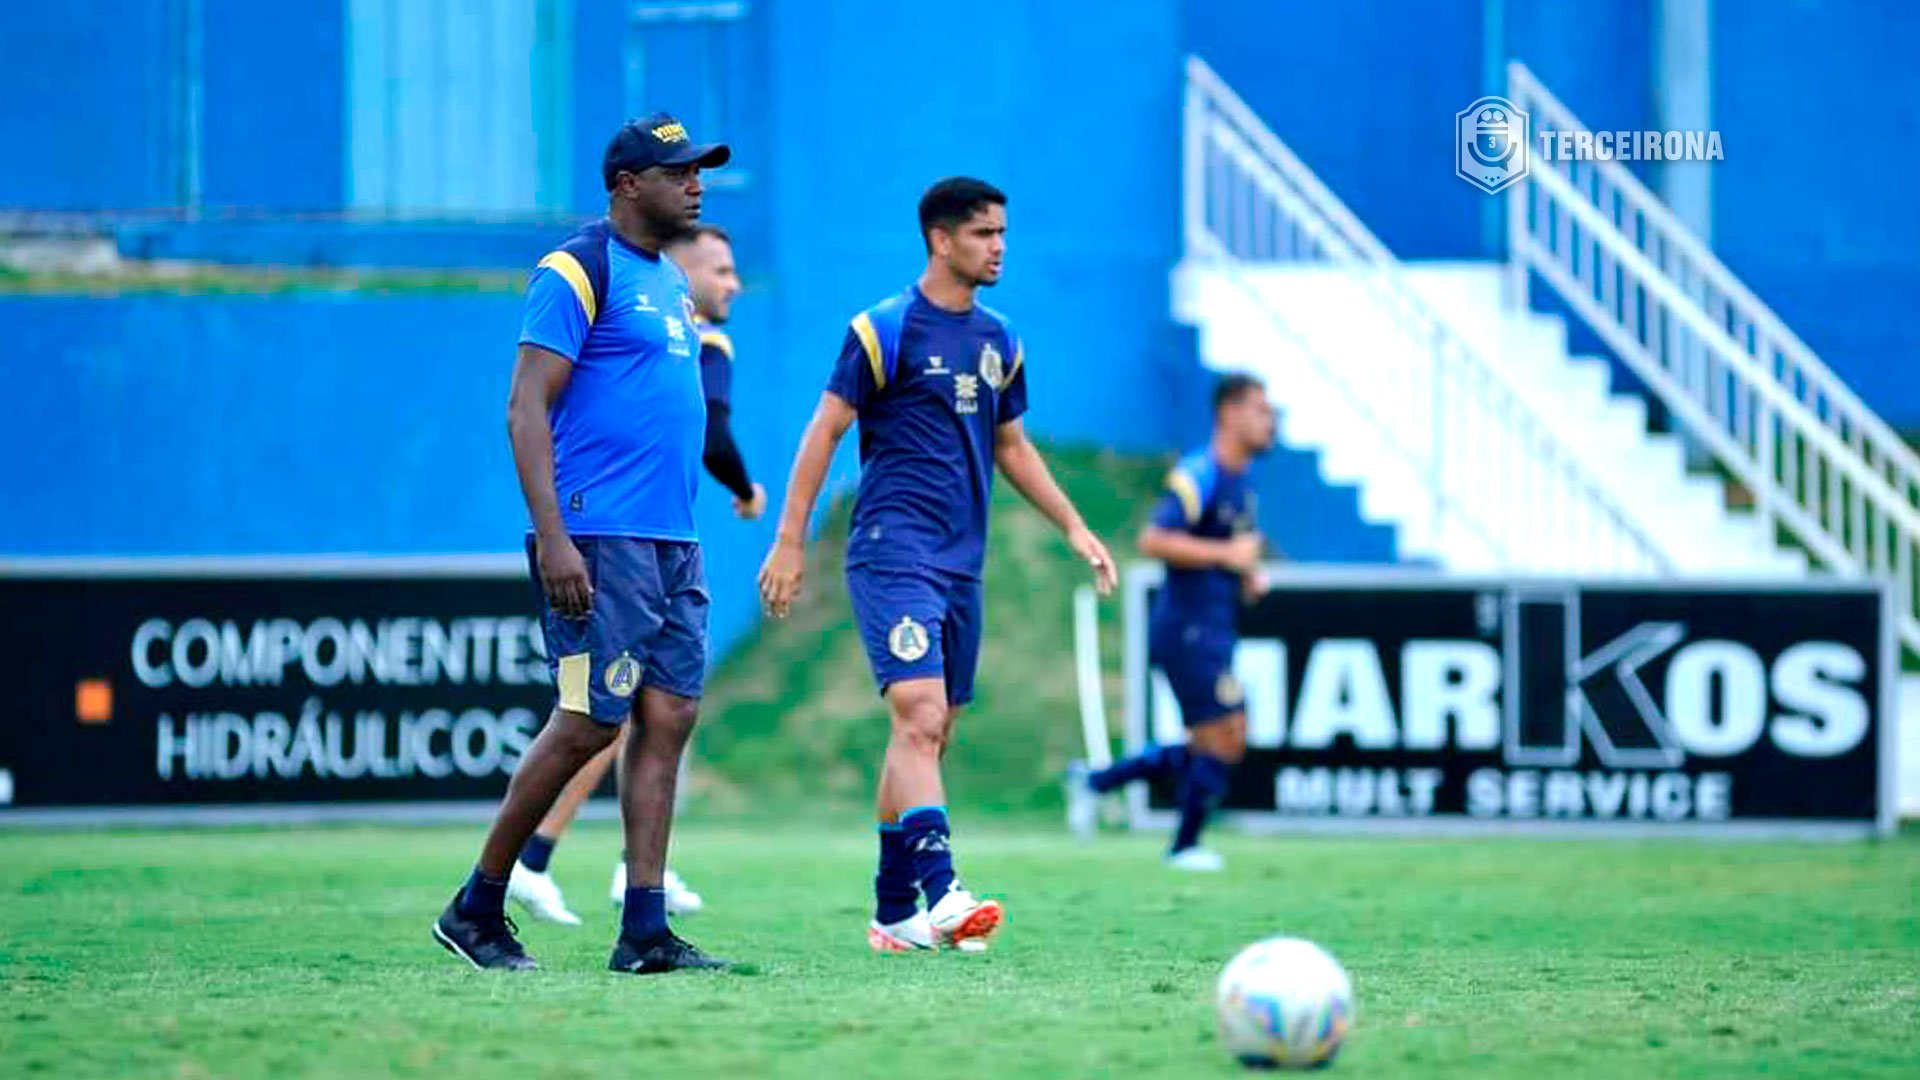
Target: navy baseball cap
657	139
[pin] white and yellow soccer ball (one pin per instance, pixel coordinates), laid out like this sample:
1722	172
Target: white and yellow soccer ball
1284	1003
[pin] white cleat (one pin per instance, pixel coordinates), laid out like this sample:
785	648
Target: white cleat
680	899
907	935
960	918
1196	860
540	895
1083	804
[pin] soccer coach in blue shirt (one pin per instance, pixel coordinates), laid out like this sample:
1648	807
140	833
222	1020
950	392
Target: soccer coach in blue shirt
608	424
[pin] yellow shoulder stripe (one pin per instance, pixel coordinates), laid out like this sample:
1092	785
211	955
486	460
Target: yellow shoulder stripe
1019	357
719	340
568	267
870	341
1187	492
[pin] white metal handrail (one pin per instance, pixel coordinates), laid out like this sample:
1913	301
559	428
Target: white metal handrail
1497	474
1820	465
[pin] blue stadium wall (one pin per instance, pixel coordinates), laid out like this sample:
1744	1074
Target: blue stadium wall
102	106
326	423
317	422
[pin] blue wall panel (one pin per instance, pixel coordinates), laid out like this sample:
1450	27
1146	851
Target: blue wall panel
446	101
1077	119
599	93
308	423
300	424
91	113
245	424
273	105
1814	206
1596	58
1364	92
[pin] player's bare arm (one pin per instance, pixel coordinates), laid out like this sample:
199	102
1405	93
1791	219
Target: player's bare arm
1020	462
786	563
1176	547
539	376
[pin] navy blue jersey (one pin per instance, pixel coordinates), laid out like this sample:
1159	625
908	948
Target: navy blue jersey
930	387
716	364
629	428
1208	501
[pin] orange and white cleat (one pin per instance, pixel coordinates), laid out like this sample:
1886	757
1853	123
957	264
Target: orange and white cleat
960	917
906	936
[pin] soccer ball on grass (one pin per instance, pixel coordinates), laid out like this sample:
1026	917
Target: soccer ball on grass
1284	1003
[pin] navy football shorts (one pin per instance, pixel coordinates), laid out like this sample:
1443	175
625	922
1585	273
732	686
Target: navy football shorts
648	625
1199	668
918	623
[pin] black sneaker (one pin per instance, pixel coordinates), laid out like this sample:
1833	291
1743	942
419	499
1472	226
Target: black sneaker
482	942
664	951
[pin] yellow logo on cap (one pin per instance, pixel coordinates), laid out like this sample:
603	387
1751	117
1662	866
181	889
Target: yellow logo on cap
673	132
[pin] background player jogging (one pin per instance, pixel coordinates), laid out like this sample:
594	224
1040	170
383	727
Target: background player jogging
938	384
1204	530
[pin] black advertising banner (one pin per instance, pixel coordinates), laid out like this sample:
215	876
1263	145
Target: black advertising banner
1396	698
356	681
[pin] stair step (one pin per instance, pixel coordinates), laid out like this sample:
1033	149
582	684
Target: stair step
1352	382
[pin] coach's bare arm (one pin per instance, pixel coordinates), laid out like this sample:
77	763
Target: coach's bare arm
539	376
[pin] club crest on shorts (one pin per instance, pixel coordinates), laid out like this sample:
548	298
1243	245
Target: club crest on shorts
907	640
993	367
623	676
1227	691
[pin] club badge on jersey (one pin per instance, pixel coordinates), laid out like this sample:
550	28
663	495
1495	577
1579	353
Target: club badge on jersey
992	365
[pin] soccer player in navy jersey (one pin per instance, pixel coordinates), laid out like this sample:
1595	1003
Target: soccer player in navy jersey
705	254
608	421
1204	530
938	384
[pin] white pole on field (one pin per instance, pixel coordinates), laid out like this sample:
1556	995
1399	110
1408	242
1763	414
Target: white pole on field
1086	657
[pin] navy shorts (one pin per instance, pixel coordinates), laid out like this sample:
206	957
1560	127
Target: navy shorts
1199	668
648	625
917	624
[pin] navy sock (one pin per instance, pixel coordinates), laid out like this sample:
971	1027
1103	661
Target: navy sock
1201	789
645	913
537	853
482	896
927	838
895	890
1152	763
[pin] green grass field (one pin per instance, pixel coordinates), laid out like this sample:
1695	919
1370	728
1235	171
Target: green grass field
305	952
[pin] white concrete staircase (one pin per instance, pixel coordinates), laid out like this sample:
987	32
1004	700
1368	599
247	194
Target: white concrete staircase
1685	511
1356	387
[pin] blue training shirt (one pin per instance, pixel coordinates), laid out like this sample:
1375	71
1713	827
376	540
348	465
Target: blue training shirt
931	387
630	426
1204	499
